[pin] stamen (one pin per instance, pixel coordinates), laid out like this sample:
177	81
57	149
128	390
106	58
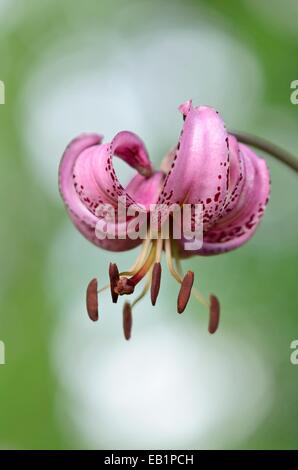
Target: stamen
170	261
127	320
141	257
178	264
185	291
102	289
114	278
126	285
200	298
133	270
159	246
92	300
144	291
155	283
146	266
178	277
214	314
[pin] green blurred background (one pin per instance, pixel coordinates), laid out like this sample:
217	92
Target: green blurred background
104	66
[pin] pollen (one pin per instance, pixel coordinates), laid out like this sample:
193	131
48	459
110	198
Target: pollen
148	267
185	291
92	300
155	283
127	320
214	314
114	278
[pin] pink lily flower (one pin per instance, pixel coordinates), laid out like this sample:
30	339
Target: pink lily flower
208	166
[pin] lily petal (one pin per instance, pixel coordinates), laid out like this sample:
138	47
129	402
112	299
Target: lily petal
242	216
199	171
87	180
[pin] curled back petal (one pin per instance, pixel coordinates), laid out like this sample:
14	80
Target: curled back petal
236	227
88	182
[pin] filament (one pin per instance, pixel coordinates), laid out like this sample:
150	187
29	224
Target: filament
144	291
146	266
140	258
169	260
178	277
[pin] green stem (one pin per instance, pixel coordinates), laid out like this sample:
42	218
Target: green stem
263	144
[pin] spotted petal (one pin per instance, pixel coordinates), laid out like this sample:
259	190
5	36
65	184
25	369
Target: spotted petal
244	210
199	170
88	182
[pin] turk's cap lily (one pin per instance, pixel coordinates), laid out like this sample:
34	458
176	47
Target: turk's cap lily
208	166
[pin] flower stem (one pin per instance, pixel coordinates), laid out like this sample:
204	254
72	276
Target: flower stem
263	144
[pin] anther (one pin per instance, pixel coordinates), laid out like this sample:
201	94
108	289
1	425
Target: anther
92	300
114	278
127	320
185	291
155	283
214	314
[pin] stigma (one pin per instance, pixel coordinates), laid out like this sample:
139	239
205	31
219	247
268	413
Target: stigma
147	267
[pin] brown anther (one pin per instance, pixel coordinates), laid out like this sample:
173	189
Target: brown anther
185	291
127	320
155	283
114	278
92	300
124	286
214	314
